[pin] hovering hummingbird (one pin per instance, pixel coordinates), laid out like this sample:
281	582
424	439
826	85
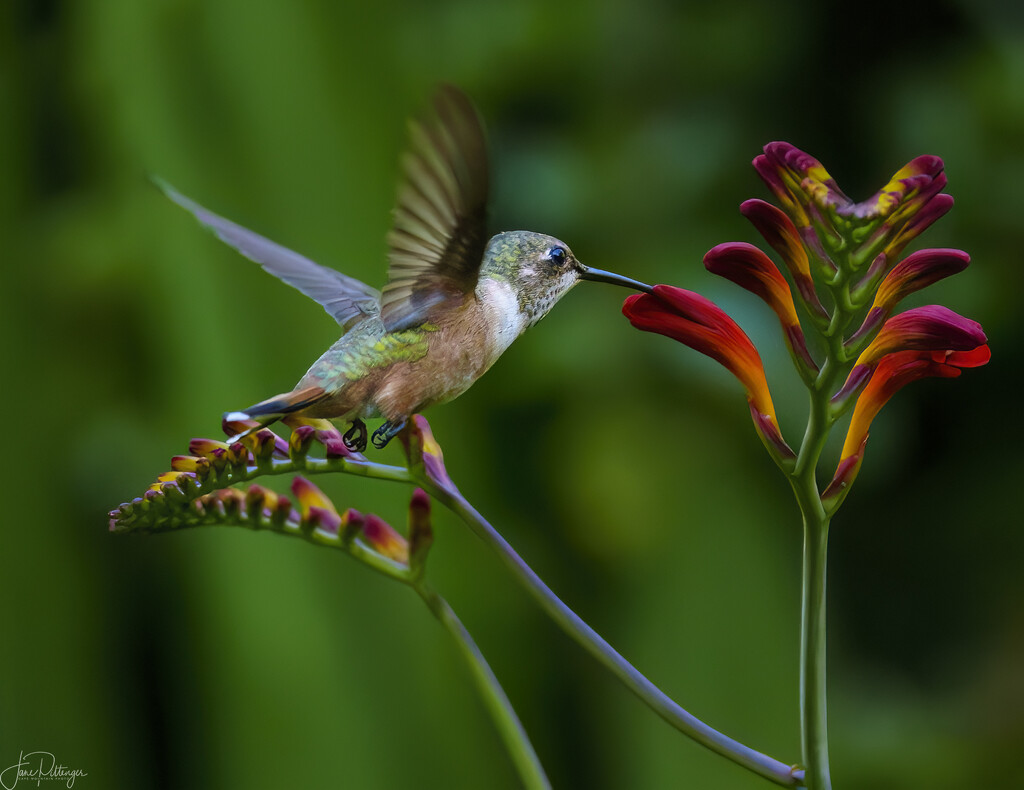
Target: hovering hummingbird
453	302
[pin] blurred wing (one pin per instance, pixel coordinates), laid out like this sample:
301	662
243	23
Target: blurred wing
438	239
344	298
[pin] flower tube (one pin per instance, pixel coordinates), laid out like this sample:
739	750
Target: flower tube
930	328
750	268
703	326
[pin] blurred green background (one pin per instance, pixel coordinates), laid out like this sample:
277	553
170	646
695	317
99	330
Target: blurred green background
621	465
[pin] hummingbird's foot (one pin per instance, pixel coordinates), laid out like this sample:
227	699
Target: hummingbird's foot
386	433
355	437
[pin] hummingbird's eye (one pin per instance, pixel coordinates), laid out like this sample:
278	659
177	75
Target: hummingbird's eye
557	255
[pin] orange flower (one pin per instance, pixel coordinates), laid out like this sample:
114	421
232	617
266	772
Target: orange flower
913	273
750	268
932	328
703	326
783	237
894	372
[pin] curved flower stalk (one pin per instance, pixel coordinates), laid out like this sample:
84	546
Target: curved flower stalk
426	465
849	252
197	492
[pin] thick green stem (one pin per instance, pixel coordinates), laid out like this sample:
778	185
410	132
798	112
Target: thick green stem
502	714
593	643
813	708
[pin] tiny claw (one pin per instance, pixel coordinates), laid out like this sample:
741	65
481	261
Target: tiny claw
386	433
355	437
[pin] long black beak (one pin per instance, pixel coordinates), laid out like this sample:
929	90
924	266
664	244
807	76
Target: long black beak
601	276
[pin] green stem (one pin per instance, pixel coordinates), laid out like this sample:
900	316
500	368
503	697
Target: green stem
509	727
813	708
813	696
360	467
607	656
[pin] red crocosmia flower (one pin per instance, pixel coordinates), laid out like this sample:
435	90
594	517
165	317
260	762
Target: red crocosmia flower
703	326
921	215
795	176
930	328
913	273
907	223
781	234
893	373
918	271
913	185
750	268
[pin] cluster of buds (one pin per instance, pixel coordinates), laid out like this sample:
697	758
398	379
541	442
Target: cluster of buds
204	488
849	253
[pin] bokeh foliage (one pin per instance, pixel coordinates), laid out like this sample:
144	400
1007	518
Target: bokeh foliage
622	467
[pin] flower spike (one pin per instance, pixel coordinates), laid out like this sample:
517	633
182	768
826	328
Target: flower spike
918	271
827	220
703	326
805	189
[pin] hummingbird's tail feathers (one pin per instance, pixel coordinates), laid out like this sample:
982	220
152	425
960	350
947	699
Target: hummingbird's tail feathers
281	405
273	409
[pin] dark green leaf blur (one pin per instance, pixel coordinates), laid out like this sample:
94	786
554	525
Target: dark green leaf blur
621	465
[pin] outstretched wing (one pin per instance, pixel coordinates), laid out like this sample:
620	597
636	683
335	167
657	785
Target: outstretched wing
346	299
438	239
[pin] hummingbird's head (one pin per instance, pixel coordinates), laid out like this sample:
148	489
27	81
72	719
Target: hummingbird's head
541	270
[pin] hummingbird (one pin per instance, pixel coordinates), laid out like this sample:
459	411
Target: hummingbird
453	302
